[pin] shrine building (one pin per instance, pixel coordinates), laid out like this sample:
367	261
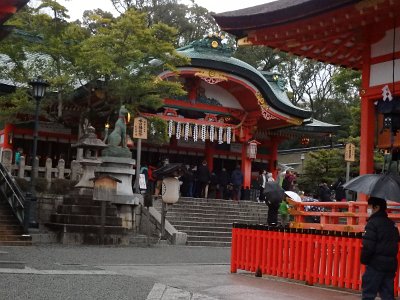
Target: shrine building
232	114
357	34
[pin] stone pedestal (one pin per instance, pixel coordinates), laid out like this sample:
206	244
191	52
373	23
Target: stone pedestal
86	184
122	169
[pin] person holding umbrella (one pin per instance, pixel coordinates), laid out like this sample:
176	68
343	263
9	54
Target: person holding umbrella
379	252
273	195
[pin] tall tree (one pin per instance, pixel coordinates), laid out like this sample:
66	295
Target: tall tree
191	21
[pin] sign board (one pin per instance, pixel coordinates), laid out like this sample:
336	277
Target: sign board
142	182
236	147
140	128
350	152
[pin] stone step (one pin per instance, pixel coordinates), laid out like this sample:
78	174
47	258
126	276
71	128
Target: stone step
77	228
85	210
200	238
9	217
15	238
195	219
211	212
196	228
15	243
80	200
9	264
85	219
8	226
208	244
142	240
203	224
16	231
203	233
9	222
234	205
212	218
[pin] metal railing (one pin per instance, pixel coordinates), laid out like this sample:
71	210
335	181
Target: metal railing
10	191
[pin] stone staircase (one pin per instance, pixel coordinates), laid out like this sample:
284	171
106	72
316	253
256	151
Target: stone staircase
11	231
78	221
208	222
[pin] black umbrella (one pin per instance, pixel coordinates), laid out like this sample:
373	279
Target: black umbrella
273	192
170	170
385	186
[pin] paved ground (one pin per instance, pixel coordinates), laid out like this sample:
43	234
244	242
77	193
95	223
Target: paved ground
158	273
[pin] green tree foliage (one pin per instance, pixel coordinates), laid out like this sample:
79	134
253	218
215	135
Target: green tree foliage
127	56
328	165
191	22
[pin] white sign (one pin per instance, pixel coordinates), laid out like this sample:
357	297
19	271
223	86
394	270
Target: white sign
142	182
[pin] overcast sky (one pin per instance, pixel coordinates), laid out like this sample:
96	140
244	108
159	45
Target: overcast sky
77	7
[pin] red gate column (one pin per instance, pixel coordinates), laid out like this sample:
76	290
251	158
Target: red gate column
367	120
273	157
246	166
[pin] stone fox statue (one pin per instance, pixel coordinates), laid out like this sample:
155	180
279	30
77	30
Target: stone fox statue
118	136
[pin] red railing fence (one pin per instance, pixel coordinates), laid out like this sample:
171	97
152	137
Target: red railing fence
322	257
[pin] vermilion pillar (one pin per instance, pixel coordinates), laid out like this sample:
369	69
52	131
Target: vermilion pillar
367	136
246	167
209	155
8	131
273	156
367	120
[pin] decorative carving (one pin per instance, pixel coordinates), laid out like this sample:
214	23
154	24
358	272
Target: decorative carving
211	76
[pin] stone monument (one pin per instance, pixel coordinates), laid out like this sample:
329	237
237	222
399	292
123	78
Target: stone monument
117	162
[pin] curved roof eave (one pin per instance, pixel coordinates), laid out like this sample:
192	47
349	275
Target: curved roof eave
274	13
246	71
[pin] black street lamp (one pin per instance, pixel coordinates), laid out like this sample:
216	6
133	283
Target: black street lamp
39	86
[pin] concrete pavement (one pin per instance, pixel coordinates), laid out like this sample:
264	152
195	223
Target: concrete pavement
158	273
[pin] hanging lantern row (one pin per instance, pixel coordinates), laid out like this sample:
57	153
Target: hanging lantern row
200	132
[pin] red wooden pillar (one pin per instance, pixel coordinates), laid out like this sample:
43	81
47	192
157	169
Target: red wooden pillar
367	119
273	157
209	155
8	136
246	166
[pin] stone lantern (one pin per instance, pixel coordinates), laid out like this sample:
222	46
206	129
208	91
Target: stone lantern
91	146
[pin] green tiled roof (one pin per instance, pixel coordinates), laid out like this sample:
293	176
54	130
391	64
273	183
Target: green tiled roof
219	58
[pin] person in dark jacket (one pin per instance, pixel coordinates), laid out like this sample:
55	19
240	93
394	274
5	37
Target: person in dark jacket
379	252
237	181
223	181
324	192
203	177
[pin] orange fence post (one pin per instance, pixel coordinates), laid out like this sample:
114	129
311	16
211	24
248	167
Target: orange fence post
239	253
287	248
342	266
244	243
269	251
322	267
234	250
329	260
258	249
303	257
349	260
264	251
280	238
357	264
336	250
294	255
316	257
309	256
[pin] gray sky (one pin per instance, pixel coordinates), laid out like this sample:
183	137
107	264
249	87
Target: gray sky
77	7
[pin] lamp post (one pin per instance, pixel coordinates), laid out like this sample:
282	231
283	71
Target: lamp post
302	157
39	86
